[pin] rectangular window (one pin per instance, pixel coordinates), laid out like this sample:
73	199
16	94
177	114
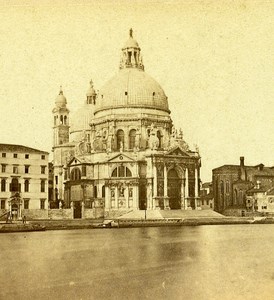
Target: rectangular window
26	185
3	154
3	204
42	203
3	185
15	155
3	168
26	169
43	169
43	186
15	170
26	203
26	156
43	157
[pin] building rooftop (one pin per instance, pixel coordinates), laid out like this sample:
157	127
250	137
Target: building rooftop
19	148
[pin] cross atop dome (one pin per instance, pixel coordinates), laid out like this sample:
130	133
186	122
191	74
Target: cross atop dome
131	57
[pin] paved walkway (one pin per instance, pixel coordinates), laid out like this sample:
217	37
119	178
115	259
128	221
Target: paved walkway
141	214
161	214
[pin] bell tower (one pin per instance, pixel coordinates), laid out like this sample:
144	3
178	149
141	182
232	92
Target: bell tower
60	120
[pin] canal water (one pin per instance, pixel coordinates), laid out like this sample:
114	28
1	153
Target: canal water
205	262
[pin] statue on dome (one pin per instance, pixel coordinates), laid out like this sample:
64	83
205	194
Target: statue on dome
173	132
180	135
197	148
153	141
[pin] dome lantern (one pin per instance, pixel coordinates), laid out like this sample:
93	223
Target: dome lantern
131	57
91	94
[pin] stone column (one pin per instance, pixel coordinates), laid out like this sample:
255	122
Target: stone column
83	209
126	196
116	197
107	198
186	187
166	200
183	203
154	187
149	193
196	187
136	196
165	181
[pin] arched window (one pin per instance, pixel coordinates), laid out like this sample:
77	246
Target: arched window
159	136
26	186
235	196
3	185
65	120
132	136
61	119
103	191
75	174
120	139
121	171
14	185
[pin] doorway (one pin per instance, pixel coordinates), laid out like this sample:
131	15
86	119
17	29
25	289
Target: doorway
174	189
77	212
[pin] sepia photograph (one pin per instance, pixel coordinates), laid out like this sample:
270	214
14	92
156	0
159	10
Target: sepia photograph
137	149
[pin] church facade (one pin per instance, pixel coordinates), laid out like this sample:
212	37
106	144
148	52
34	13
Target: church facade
120	152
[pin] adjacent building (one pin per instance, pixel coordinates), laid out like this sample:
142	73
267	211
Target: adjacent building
231	184
206	200
24	180
260	199
121	151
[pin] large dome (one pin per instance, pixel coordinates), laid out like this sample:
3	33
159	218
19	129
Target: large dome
132	87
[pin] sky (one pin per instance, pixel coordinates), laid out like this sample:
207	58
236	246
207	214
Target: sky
214	60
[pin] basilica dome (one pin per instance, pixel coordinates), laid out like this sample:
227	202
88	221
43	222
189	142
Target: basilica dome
132	87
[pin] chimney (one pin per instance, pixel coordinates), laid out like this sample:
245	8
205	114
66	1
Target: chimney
242	168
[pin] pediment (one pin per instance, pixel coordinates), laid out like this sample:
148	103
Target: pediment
75	160
118	158
178	151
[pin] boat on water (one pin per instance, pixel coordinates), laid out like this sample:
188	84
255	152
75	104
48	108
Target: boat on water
8	228
107	224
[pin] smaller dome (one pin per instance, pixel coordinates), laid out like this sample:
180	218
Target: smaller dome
61	100
91	91
131	43
80	121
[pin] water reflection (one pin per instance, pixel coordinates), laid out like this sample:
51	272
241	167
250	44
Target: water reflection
206	262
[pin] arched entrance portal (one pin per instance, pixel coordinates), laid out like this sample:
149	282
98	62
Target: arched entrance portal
174	189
